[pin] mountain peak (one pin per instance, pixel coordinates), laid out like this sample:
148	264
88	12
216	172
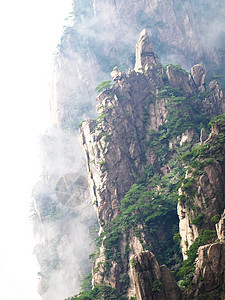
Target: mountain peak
145	55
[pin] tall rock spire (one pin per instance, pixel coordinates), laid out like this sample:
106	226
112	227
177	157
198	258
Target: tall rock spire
145	55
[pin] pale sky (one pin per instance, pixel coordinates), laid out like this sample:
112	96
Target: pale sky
29	33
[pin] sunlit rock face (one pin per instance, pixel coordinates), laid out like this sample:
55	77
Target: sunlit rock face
183	29
152	282
145	55
103	35
209	201
114	145
210	266
220	228
111	143
208	198
198	76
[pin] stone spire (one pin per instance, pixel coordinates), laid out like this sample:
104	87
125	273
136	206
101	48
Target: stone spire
145	55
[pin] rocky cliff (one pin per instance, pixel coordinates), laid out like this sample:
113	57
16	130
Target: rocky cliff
151	116
102	34
146	121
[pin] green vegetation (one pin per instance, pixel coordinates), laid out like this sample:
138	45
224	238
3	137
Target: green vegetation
104	85
187	270
156	287
215	218
100	292
198	220
150	204
86	284
176	67
204	154
219	120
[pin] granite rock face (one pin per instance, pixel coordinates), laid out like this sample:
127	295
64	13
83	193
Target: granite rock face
152	282
115	147
198	76
207	195
210	272
102	31
220	228
145	55
186	34
113	143
210	202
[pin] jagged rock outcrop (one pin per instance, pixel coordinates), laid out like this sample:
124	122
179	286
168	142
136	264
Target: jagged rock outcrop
152	282
214	104
204	196
220	228
115	147
145	55
112	141
210	202
101	33
209	272
203	135
178	79
183	34
209	277
198	76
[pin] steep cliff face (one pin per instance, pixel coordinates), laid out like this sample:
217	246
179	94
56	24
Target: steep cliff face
202	193
103	34
184	28
200	208
150	117
113	141
152	281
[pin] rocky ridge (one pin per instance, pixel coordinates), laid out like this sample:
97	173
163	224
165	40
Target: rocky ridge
116	146
185	34
181	34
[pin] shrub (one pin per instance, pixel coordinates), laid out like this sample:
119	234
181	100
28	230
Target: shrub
104	85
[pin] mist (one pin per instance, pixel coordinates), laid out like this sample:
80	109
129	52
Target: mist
63	216
100	35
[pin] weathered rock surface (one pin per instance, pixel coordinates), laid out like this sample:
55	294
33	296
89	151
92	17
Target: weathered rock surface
178	79
208	199
115	146
145	55
183	35
115	150
198	76
209	276
214	104
203	135
113	143
220	228
152	282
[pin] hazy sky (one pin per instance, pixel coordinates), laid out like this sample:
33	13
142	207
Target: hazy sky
29	33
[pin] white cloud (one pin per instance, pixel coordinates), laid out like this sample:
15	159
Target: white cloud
30	32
